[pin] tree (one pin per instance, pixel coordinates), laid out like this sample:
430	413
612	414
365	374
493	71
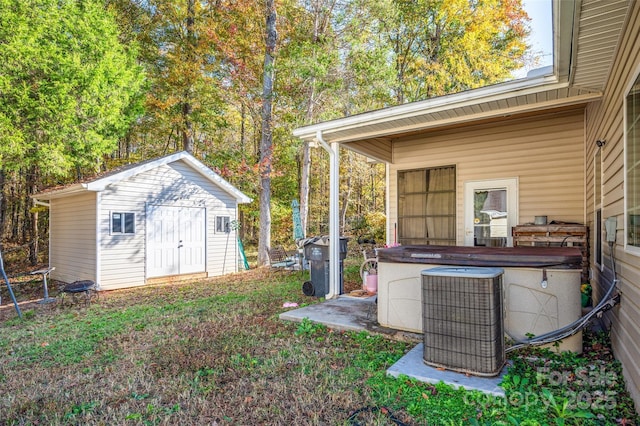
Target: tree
266	154
180	51
332	65
404	49
449	46
66	84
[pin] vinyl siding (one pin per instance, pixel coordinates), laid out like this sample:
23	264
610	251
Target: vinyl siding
605	121
175	184
72	238
545	153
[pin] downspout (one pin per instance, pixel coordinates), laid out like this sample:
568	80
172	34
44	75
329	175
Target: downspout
334	218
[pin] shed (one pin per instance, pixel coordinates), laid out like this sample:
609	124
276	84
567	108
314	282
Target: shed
167	218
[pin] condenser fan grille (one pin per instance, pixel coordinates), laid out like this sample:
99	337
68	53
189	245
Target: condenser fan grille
463	319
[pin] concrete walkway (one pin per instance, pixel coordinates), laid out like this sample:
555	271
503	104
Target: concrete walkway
360	313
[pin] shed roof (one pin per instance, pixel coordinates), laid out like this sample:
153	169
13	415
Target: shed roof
100	183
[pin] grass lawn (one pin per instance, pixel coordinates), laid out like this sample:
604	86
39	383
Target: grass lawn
214	352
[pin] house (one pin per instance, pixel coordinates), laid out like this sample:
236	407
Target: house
168	217
565	144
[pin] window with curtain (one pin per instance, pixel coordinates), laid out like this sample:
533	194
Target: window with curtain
427	206
632	165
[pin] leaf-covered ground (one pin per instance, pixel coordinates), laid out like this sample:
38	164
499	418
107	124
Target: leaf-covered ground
215	352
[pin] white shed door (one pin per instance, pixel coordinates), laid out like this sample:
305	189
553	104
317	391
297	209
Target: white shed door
192	241
176	240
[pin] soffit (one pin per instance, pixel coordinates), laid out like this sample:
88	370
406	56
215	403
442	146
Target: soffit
598	30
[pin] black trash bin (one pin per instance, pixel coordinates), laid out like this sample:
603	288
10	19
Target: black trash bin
316	252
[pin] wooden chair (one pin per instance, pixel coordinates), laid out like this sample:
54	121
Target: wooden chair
280	259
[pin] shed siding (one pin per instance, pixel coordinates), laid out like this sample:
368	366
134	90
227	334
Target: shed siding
175	184
605	121
545	153
73	238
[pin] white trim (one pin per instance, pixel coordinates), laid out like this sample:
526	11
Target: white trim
147	207
600	265
445	102
98	240
510	184
215	226
122	212
392	229
41	203
633	250
386	120
597	205
101	184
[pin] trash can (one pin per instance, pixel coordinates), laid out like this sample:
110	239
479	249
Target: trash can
316	251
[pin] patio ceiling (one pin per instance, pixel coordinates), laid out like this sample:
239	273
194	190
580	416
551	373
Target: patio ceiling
585	38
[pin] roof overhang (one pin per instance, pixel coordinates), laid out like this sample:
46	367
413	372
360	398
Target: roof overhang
372	133
100	184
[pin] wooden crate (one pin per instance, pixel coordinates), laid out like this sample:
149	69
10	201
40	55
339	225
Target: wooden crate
555	236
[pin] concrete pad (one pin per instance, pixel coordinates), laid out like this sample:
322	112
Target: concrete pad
412	365
342	313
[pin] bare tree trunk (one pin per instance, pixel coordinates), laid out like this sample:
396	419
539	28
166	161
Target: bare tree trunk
266	150
31	184
305	176
187	134
243	119
187	108
346	195
3	204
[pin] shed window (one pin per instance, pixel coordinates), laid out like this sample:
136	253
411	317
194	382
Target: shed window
123	223
427	206
222	224
632	165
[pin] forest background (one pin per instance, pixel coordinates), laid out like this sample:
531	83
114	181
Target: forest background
89	86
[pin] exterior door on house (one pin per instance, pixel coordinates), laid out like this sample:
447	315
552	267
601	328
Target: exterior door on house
491	210
175	240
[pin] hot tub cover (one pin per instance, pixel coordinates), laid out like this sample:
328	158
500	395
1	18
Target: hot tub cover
530	257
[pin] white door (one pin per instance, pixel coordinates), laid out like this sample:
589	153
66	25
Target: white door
175	240
192	241
490	211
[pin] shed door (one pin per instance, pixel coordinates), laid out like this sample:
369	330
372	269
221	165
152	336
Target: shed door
175	240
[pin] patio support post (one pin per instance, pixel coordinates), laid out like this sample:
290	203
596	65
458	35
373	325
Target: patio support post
334	216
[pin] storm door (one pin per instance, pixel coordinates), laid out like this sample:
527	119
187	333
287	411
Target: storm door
491	210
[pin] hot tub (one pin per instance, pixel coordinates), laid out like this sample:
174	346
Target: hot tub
541	285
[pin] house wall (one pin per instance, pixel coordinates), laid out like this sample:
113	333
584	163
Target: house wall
604	120
72	238
123	257
545	153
